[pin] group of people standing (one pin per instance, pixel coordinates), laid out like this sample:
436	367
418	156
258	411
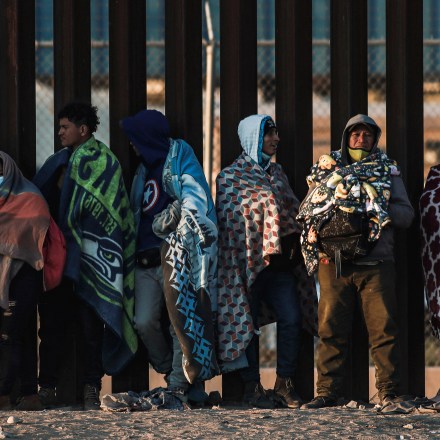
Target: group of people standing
195	279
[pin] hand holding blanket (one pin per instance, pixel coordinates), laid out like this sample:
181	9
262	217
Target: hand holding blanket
189	262
362	187
255	210
97	223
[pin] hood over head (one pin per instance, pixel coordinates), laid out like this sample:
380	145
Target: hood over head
356	120
11	172
251	134
149	132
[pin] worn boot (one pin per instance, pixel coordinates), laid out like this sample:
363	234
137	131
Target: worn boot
388	399
197	395
5	403
285	392
255	396
91	398
320	402
48	397
30	403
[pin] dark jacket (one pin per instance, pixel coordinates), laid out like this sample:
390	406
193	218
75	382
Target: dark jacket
399	209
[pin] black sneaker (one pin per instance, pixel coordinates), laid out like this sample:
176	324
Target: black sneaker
256	397
47	397
5	403
180	393
91	398
320	402
197	395
29	403
285	392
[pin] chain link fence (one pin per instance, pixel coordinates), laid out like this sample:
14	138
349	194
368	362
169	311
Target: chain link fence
376	108
155	88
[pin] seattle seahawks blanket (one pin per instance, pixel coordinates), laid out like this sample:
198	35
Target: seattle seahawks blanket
97	223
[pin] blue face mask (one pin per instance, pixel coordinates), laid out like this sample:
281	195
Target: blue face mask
1	179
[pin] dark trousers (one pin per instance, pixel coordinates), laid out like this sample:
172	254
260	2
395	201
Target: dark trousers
18	342
62	312
278	291
375	288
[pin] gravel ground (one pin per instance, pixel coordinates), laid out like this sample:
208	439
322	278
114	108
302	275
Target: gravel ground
220	423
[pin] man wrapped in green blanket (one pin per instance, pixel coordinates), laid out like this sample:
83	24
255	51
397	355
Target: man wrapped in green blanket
84	187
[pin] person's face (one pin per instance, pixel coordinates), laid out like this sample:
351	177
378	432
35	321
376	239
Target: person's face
361	138
71	135
270	142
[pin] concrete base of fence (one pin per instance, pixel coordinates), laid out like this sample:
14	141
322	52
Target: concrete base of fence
432	381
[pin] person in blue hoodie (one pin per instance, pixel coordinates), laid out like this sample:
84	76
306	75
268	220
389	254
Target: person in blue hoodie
174	217
260	268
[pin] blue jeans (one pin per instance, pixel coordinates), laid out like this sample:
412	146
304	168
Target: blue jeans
278	291
149	305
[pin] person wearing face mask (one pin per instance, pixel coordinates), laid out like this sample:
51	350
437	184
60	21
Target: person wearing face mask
24	221
260	265
359	179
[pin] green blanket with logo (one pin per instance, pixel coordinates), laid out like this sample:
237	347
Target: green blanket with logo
98	225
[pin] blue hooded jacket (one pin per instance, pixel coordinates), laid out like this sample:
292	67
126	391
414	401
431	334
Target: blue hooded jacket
149	132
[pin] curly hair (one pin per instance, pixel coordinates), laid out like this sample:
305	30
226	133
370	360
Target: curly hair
81	113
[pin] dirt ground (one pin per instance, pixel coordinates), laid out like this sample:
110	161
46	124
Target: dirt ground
220	423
